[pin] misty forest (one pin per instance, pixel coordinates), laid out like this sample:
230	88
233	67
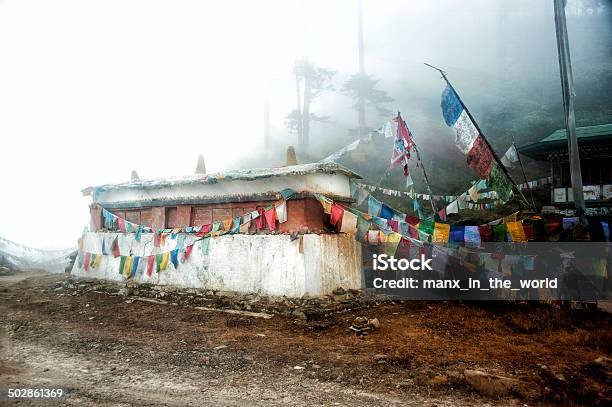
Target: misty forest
505	68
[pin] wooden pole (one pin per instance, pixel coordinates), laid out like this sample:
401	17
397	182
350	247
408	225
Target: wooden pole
495	156
524	176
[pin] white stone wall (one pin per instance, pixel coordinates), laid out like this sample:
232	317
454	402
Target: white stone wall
327	184
312	265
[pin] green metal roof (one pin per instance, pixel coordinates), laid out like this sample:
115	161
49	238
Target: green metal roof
559	138
581	132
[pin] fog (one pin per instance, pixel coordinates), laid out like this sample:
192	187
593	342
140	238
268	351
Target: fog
90	91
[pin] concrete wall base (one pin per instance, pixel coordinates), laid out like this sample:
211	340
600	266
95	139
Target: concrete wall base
311	265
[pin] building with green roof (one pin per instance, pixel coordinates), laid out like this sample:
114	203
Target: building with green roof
595	145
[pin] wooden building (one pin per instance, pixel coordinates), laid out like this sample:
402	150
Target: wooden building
595	144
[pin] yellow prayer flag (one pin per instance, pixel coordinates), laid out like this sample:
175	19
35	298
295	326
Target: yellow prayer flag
473	191
227	224
516	231
394	237
326	206
96	261
511	218
441	232
127	266
164	262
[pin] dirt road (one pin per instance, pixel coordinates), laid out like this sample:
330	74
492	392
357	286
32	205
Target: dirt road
109	348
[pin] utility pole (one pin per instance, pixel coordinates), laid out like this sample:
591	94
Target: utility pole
360	101
567	88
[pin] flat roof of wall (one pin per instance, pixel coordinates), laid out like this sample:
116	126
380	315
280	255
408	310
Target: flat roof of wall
227	176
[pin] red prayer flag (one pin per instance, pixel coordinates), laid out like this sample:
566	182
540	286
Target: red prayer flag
270	215
336	213
480	158
115	247
259	222
204	230
150	263
394	225
528	230
121	223
486	233
87	261
188	251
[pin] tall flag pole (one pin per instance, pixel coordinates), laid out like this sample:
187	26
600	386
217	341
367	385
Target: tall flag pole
404	143
567	87
471	141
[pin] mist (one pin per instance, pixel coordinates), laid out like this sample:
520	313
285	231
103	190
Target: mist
90	91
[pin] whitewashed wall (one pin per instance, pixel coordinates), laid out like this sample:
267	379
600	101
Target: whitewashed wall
311	265
331	184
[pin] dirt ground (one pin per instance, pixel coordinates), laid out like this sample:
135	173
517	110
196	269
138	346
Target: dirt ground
106	345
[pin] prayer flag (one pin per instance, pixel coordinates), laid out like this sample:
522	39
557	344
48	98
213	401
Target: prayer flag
150	262
121	224
287	193
486	233
472	236
165	257
349	223
336	213
158	261
374	206
386	212
127	266
510	157
499	182
363	226
87	261
174	258
115	247
95	263
457	233
456	116
281	212
452	208
480	158
236	225
204	244
441	232
270	216
402	146
122	264
188	251
135	266
500	233
516	231
372	237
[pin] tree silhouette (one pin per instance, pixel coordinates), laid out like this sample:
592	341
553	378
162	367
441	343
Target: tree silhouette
315	80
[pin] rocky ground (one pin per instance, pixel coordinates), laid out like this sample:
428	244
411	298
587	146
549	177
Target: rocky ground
119	345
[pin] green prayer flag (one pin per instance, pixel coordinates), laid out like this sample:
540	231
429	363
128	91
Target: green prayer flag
122	264
204	245
158	260
500	233
426	226
362	229
499	182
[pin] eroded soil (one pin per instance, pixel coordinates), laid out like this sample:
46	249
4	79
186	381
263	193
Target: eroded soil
108	346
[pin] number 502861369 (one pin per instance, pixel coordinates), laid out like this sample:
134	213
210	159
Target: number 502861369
35	393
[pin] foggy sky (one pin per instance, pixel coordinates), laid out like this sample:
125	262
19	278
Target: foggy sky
92	90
